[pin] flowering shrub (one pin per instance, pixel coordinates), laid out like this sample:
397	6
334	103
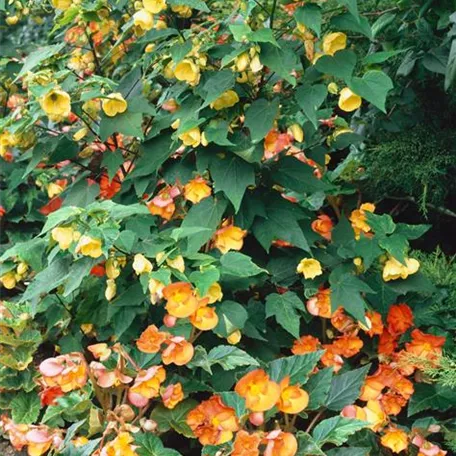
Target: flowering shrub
184	271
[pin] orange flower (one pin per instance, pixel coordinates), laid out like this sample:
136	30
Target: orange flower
179	351
172	395
320	304
100	351
279	443
108	189
348	345
246	444
395	439
151	340
120	445
399	319
372	412
147	386
306	344
425	346
358	219
372	389
375	319
341	321
106	378
323	226
275	142
403	386
181	301
331	358
392	403
49	395
67	371
229	237
204	318
259	392
292	398
212	422
387	343
163	204
196	190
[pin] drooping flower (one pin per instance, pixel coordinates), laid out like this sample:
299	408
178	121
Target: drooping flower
110	188
395	439
320	304
306	344
144	20
259	392
146	386
348	345
156	290
100	351
205	317
425	346
331	358
323	226
114	104
192	137
56	104
342	322
186	70
373	413
399	319
108	378
49	395
387	342
89	246
163	204
393	269
334	42
225	100
293	399
196	190
154	6
279	443
121	445
246	444
172	395
179	351
151	340
181	299
214	293
349	101
212	422
141	264
309	268
229	237
64	236
358	219
69	371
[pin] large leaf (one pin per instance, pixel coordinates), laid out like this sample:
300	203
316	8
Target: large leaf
345	388
151	445
351	23
285	308
310	98
232	316
25	408
38	56
229	357
128	123
217	83
431	397
310	16
307	446
174	418
297	367
336	430
239	265
260	116
232	175
318	388
282	61
340	65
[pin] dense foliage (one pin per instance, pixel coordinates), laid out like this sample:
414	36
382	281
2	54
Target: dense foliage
193	258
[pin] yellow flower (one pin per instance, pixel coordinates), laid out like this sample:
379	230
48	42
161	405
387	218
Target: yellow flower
80	133
54	189
349	101
12	20
191	137
121	445
56	104
112	268
8	280
141	264
358	219
196	190
242	62
88	246
160	25
229	237
334	42
394	270
154	6
143	19
182	10
176	263
214	293
149	48
64	236
225	100
61	4
111	289
310	268
234	338
187	71
395	439
295	130
22	268
333	88
114	104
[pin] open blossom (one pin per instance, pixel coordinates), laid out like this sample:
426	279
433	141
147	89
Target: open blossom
395	439
358	219
332	358
323	226
179	351
146	386
259	392
275	142
151	340
320	304
293	399
212	422
342	322
214	293
309	268
348	100
246	444
181	299
205	317
425	346
387	343
56	104
196	190
64	236
306	344
334	42
89	246
163	204
156	290
226	100
427	448
69	371
393	269
110	188
100	351
399	319
121	445
114	104
279	443
49	396
141	264
229	237
172	395
108	378
376	323
347	345
373	413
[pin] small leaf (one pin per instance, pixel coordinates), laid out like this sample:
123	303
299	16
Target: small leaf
239	265
297	367
229	357
284	307
340	65
25	408
259	118
310	98
151	445
232	316
336	430
310	16
174	418
232	399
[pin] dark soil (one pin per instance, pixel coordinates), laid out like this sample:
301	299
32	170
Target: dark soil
7	450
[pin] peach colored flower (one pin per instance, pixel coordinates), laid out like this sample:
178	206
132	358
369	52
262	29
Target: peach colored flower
279	443
181	299
179	351
163	204
151	340
196	190
172	395
292	398
108	378
229	237
395	439
320	304
147	386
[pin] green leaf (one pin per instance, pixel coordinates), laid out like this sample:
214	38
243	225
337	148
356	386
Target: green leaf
340	65
382	22
380	57
349	451
307	445
297	367
260	116
31	252
336	430
310	98
128	123
194	4
411	232
38	56
174	418
112	161
57	217
217	83
318	388
232	399
85	450
345	388
217	132
450	71
232	175
346	291
25	407
232	316
78	271
204	279
239	265
151	445
373	87
310	16
351	23
229	357
352	6
431	397
282	61
396	245
381	224
284	307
